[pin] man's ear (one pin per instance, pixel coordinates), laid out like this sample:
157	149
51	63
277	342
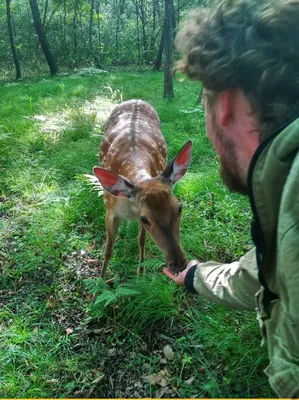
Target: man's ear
225	107
114	183
177	167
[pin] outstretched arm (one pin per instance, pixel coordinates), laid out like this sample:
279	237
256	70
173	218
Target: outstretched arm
233	285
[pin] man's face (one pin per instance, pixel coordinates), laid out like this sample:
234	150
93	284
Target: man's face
233	170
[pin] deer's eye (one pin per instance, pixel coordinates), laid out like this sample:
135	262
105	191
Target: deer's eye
144	220
180	209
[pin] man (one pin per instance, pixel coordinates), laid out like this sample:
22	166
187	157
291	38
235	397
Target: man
246	55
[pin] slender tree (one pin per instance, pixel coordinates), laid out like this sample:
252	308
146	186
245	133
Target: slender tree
168	45
90	26
158	60
42	37
45	12
91	48
137	28
12	40
75	35
120	10
99	26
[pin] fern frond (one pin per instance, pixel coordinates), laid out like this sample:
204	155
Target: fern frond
125	292
95	285
106	297
93	181
153	263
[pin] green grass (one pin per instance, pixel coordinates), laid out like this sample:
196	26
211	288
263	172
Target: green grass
52	230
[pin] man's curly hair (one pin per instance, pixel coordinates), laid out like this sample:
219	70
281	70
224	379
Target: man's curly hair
247	44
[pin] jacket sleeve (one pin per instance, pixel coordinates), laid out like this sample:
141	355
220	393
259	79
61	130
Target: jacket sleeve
233	285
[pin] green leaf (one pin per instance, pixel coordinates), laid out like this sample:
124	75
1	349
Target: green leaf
107	296
96	285
126	292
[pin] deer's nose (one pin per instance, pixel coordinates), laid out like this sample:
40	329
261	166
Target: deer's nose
178	266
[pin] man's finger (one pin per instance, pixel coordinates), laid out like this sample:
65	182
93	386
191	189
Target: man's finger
169	273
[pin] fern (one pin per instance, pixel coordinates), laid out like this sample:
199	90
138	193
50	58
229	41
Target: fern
122	292
152	264
95	285
92	181
107	297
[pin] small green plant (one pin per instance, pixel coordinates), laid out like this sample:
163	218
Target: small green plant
107	296
152	264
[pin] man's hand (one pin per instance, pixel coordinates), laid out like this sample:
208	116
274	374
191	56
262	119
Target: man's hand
179	279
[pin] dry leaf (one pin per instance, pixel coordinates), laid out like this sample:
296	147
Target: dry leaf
98	379
50	303
160	393
190	381
69	331
168	352
162	378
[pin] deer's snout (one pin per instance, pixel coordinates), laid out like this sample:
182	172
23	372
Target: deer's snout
178	264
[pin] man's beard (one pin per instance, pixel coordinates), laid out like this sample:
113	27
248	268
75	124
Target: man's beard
231	179
230	171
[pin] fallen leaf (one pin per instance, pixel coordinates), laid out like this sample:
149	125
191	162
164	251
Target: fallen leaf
50	303
162	378
98	379
168	352
160	393
189	381
53	380
91	261
69	331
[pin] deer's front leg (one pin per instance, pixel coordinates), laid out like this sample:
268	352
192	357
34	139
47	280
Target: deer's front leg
112	224
141	241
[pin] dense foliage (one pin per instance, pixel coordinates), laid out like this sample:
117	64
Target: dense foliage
88	32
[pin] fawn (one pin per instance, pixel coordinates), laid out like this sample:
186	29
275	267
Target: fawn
137	184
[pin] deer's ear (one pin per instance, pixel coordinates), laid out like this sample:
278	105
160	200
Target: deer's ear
113	183
177	167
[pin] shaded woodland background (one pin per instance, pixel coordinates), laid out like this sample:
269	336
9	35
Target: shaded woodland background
64	35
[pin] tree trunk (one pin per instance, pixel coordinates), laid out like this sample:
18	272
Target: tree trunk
63	31
121	6
12	41
45	12
90	27
158	61
75	19
173	20
42	37
168	37
144	35
137	29
152	42
91	49
99	27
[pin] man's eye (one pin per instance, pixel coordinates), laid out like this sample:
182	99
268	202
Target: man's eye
144	220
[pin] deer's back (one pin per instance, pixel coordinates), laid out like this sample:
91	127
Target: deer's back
133	141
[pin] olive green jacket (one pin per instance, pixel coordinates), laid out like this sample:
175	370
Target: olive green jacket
267	277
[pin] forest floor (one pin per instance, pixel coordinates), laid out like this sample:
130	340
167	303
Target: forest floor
145	337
